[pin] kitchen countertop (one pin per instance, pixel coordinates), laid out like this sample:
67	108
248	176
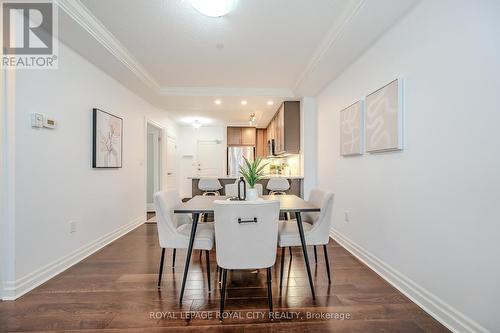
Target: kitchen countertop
236	177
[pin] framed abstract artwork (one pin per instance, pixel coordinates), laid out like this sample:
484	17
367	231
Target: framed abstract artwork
384	118
351	130
107	140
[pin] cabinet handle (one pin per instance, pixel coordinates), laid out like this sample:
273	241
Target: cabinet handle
247	221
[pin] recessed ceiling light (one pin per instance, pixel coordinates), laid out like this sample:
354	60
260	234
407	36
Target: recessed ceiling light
270	102
218	102
243	102
213	8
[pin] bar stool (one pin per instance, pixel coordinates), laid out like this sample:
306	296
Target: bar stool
209	186
278	185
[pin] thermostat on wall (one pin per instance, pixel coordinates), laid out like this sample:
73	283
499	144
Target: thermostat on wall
39	120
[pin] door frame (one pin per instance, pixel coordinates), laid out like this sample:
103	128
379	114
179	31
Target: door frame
7	184
161	159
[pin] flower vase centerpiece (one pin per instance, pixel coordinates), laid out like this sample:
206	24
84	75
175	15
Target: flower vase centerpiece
252	172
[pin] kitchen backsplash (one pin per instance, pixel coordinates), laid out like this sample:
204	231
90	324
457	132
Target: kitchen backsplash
284	166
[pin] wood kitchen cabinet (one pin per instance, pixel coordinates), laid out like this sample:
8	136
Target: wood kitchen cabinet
248	136
261	143
284	128
234	136
241	136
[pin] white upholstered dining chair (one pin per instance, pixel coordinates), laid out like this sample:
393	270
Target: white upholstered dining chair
316	228
246	233
174	230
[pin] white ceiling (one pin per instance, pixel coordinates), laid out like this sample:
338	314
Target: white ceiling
266	42
182	61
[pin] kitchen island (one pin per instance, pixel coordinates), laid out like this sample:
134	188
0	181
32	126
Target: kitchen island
296	184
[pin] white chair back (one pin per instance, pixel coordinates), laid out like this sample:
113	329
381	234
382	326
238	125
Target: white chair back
231	190
322	220
166	221
246	233
278	184
209	184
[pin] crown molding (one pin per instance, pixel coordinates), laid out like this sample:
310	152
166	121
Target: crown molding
330	40
229	92
84	17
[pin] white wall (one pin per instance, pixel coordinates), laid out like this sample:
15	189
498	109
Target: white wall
54	182
430	212
308	142
187	151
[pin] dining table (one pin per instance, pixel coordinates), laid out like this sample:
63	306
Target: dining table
205	204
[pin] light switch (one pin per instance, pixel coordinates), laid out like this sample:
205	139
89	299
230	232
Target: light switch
49	123
346	216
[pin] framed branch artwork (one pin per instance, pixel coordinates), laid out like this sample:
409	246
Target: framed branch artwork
107	140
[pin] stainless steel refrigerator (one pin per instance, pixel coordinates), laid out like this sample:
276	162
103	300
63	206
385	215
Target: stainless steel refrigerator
235	159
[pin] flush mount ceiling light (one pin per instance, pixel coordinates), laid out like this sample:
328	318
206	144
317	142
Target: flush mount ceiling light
196	121
252	118
196	124
213	8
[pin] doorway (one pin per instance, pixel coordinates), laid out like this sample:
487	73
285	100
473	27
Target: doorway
153	164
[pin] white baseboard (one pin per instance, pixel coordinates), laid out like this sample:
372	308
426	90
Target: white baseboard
450	317
19	287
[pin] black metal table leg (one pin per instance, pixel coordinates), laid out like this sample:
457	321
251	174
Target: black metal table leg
282	266
223	293
269	292
304	250
189	251
207	256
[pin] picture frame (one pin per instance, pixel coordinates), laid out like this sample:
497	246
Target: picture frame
351	129
107	140
384	118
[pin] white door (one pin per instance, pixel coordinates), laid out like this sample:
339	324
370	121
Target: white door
171	163
210	159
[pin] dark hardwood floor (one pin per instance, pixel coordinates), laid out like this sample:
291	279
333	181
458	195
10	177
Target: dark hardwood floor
115	290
